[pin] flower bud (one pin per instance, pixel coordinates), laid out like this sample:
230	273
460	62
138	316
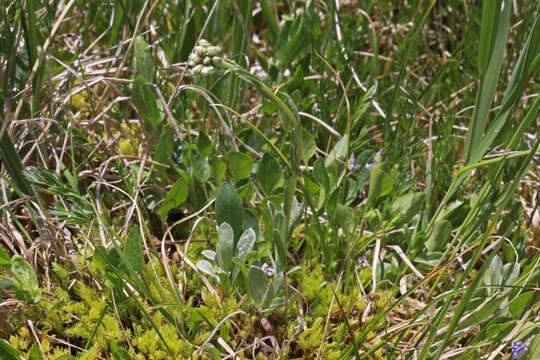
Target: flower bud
194	57
197	69
199	50
203	43
207	60
216	60
207	70
212	51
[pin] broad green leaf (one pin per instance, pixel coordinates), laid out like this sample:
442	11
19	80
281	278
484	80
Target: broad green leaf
269	106
142	59
201	169
380	182
204	145
34	353
498	331
510	273
308	146
218	169
428	258
251	221
245	243
338	152
297	209
269	173
480	312
165	145
229	208
144	100
8	352
494	275
257	284
5	260
521	304
239	164
26	278
207	268
176	196
277	285
225	246
345	217
534	347
209	254
273	290
133	249
440	235
320	175
406	206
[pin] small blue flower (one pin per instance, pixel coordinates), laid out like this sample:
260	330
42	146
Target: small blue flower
376	159
370	165
519	349
352	163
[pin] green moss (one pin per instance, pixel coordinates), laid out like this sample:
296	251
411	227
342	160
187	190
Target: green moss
18	342
311	283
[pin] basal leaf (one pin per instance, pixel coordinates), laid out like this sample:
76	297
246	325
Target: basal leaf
229	208
494	275
176	196
245	243
165	145
338	152
380	182
440	235
26	278
308	146
225	246
207	268
201	168
406	206
257	284
144	100
239	164
142	59
133	249
345	217
269	173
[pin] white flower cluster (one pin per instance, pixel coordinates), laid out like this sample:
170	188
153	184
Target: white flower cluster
203	58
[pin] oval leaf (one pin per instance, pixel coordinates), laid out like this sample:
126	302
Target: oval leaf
207	268
380	182
225	246
133	249
142	59
245	243
268	173
175	197
257	283
239	165
229	208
